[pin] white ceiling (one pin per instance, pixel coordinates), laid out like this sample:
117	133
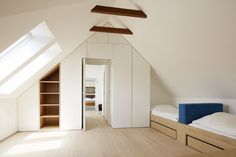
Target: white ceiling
191	44
69	24
13	7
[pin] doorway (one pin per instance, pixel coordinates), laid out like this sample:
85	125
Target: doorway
96	97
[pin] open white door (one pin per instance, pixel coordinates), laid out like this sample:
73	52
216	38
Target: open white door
83	93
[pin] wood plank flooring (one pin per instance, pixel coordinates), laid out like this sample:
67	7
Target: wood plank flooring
100	140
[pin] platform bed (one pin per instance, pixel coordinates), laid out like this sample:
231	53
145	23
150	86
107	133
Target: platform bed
202	140
199	139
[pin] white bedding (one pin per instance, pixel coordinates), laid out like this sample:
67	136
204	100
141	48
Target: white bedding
220	123
166	111
89	99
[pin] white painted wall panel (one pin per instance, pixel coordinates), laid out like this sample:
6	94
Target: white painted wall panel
100	51
8	117
70	87
229	104
116	39
121	87
140	91
29	110
98	38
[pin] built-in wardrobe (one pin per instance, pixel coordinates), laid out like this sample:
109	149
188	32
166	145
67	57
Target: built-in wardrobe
130	100
129	86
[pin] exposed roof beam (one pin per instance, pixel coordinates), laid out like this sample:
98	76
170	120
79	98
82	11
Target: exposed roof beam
118	11
111	30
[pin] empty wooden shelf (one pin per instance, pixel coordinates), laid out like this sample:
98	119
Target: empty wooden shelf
50	116
49	81
49	99
49	93
49	104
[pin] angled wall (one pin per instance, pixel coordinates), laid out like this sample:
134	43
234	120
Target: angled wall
70	30
190	45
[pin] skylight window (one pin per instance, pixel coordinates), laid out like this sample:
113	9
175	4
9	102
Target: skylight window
29	70
17	57
23	50
27	56
11	49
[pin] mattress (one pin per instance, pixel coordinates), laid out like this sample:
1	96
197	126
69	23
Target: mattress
166	111
211	130
220	123
90	100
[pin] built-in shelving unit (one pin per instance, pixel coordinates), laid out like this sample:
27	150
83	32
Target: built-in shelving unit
50	99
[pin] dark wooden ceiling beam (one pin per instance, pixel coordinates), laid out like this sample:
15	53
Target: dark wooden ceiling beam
111	30
118	11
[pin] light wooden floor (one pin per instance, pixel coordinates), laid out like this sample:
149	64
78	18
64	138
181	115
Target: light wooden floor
100	140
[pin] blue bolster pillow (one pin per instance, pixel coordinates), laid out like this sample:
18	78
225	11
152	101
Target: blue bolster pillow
191	111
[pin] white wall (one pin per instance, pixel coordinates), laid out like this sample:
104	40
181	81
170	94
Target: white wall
158	93
190	45
229	104
8	117
29	110
69	32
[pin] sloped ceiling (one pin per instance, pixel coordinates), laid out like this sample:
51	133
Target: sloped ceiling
190	44
70	25
13	7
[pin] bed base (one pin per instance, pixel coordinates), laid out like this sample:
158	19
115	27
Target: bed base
202	140
164	125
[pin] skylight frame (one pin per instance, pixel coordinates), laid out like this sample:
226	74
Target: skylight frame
39	47
30	69
16	45
29	48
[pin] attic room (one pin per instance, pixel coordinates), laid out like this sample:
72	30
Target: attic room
118	78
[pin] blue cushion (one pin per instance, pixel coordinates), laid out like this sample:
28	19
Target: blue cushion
189	112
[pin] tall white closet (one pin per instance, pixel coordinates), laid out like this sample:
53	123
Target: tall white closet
130	101
140	91
121	83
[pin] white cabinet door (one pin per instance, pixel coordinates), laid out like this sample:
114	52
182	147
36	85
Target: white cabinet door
121	87
140	91
100	51
28	109
71	90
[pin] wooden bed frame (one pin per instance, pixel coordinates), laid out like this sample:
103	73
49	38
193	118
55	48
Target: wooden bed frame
90	103
202	140
166	126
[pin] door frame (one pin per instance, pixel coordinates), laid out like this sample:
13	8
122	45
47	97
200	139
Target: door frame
83	92
105	62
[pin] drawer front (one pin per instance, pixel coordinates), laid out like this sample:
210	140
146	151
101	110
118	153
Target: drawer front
165	130
201	146
166	122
